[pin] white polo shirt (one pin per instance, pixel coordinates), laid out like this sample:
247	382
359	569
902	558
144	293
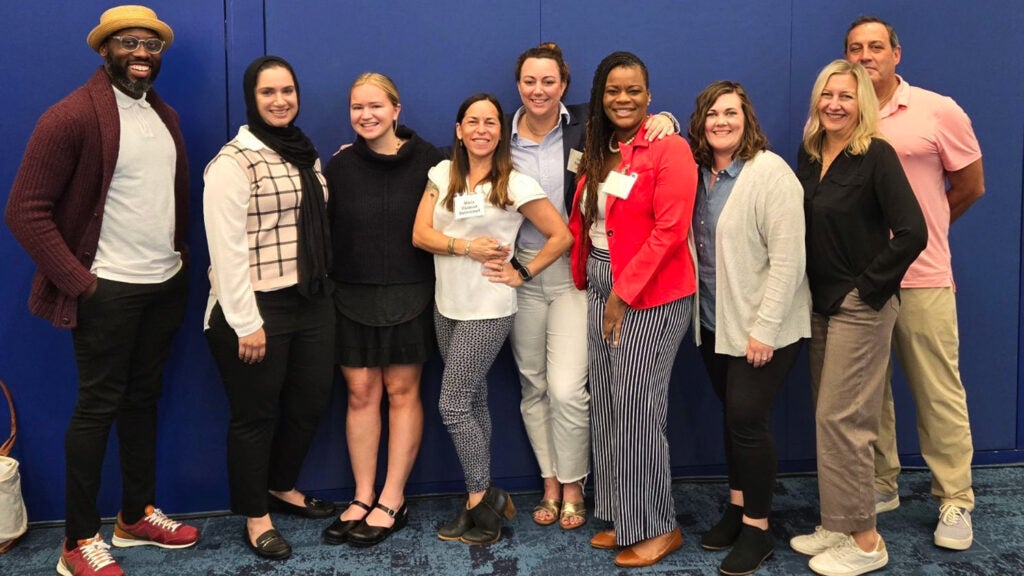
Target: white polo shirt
137	235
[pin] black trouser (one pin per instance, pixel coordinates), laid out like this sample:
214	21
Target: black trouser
121	345
748	394
276	404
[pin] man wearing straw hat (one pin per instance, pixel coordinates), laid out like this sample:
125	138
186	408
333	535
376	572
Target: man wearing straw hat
100	203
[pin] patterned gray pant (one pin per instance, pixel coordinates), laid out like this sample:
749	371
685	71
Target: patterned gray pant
468	348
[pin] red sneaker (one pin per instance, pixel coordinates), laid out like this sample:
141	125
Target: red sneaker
90	558
154	529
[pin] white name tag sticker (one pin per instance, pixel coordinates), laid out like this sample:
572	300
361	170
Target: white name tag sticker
469	206
574	160
618	184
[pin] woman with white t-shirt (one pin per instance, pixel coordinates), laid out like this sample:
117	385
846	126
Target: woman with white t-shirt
468	218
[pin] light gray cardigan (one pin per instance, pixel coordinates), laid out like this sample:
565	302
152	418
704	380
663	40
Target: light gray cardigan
760	260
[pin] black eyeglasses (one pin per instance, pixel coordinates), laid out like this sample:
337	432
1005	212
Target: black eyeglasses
131	43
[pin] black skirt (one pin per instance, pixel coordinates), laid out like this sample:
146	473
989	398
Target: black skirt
380	326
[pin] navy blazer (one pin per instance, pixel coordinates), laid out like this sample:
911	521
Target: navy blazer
574	133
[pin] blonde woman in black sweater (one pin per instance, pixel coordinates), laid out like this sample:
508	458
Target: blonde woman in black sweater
383	298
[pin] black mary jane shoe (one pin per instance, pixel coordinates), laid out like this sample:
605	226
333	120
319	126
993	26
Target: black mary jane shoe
270	545
365	535
313	509
337	532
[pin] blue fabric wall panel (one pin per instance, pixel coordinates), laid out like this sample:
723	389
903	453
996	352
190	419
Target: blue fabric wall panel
437	58
968	53
244	36
36	360
686	47
438	54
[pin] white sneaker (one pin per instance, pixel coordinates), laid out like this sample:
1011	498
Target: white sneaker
847	559
886	502
816	543
954	530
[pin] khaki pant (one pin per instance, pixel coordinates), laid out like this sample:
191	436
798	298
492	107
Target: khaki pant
927	345
550	347
849	353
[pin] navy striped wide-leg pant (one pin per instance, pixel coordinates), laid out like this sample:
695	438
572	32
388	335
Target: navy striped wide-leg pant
629	403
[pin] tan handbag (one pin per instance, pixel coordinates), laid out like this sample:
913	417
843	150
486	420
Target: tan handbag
13	517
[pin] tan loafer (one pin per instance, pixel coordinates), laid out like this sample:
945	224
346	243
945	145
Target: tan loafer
604	540
629	558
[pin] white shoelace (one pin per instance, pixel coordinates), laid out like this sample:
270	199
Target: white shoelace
847	547
823	535
951	515
158	519
97	553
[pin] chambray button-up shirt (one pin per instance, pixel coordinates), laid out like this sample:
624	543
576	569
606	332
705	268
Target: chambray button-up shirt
542	162
710	202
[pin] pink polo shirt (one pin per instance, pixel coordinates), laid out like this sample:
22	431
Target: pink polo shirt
932	136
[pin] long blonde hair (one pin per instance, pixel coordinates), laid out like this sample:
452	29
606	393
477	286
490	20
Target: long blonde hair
867	104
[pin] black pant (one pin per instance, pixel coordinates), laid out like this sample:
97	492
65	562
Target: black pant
121	345
748	394
276	404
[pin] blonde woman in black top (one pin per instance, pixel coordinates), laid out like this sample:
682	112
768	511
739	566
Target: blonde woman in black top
864	229
383	296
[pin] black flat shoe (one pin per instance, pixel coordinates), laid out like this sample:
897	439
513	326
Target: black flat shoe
313	509
365	535
270	545
337	532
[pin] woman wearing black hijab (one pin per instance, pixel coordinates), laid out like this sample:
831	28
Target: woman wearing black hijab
270	318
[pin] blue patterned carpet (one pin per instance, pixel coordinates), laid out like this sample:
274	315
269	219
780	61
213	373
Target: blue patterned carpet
530	549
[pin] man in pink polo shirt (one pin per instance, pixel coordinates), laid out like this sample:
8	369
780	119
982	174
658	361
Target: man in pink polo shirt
942	160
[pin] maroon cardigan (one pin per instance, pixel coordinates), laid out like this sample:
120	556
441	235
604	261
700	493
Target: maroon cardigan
55	208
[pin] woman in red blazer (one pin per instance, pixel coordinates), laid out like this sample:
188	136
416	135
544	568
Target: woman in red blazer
630	221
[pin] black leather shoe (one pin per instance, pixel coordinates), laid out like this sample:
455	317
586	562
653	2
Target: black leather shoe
725	533
365	535
313	509
337	532
457	526
488	517
270	545
751	549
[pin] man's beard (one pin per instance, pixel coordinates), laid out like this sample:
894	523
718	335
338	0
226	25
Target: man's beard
134	88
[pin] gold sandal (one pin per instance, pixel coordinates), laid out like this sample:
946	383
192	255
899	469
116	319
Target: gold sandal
571	510
549	506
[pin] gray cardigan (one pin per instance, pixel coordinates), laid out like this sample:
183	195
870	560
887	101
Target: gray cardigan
762	289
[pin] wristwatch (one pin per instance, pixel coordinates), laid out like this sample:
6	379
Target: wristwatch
524	272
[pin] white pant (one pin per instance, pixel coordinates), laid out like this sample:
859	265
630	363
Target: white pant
549	342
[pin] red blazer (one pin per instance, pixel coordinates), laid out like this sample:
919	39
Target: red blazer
647	232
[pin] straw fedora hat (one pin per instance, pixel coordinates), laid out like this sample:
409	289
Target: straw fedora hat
121	17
